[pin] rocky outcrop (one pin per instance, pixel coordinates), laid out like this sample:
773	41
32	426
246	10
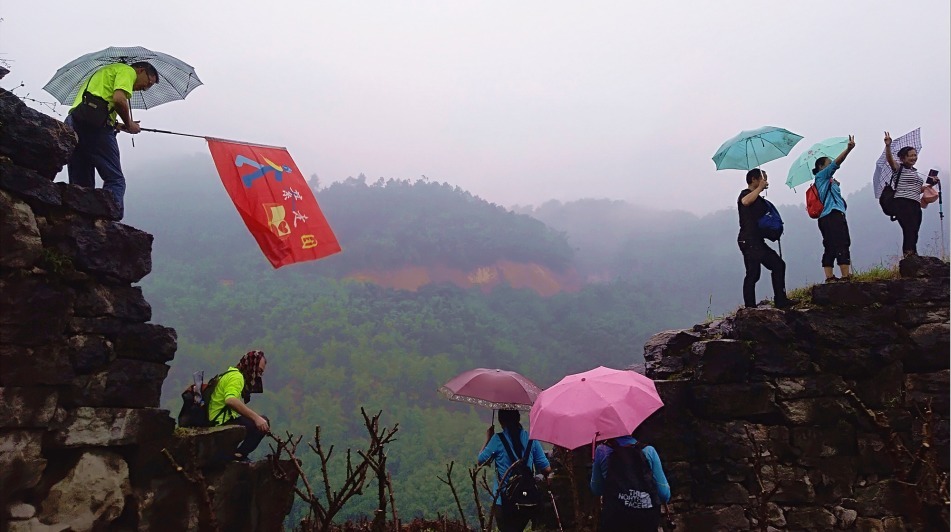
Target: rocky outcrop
32	139
83	444
833	416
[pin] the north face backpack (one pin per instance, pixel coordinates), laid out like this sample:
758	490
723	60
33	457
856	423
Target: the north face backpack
518	489
770	224
629	483
194	412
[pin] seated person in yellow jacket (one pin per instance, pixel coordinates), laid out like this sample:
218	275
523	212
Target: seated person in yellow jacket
228	403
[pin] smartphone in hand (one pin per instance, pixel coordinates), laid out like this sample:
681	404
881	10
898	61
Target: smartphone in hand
932	174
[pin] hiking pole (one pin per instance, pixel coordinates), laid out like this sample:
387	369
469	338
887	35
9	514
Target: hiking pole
941	217
555	506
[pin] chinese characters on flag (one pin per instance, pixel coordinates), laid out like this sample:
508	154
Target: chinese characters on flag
274	201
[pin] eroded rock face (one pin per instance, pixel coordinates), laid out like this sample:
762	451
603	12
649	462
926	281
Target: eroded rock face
81	367
91	495
32	139
21	460
19	236
828	405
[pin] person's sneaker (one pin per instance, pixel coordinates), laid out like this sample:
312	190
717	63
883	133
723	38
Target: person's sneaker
846	279
784	302
832	279
241	459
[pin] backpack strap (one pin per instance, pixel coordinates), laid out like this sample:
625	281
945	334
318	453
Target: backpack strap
508	448
528	454
896	177
826	200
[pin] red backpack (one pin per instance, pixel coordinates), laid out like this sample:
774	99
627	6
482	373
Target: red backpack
814	205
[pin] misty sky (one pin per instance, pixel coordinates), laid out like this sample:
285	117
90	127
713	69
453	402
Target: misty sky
522	102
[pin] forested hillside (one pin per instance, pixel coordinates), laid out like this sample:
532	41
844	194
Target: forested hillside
394	223
336	345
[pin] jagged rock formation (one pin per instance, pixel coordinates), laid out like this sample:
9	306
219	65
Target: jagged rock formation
83	444
830	417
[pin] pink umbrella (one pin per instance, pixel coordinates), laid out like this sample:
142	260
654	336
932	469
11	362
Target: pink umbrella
597	404
492	388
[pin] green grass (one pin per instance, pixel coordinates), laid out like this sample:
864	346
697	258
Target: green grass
880	272
876	273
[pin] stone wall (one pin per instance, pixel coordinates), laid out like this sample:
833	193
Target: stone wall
83	444
817	417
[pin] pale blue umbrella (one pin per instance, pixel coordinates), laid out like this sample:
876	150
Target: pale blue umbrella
801	171
750	149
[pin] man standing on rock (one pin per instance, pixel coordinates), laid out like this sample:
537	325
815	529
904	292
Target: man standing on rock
228	402
105	95
756	253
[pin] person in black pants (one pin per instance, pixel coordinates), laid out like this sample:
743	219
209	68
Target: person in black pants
908	188
751	208
832	222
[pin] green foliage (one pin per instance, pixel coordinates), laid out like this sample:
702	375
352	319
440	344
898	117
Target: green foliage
334	346
879	272
56	262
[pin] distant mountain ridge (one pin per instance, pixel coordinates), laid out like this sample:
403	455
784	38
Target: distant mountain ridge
396	233
405	234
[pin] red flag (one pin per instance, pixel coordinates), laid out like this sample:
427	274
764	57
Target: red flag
274	201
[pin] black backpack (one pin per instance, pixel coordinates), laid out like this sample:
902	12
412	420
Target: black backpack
887	199
629	484
194	412
517	488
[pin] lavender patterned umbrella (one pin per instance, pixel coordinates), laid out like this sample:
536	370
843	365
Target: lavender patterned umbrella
492	388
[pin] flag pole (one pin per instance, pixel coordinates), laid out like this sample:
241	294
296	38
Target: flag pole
166	132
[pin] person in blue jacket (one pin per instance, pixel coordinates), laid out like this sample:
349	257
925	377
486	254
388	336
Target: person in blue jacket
512	519
630	480
832	223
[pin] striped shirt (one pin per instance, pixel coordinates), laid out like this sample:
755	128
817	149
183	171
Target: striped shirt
909	184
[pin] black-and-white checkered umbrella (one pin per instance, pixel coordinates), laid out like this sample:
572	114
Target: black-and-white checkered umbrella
883	172
176	78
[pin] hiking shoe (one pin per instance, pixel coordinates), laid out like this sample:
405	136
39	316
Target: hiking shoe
784	302
833	279
846	279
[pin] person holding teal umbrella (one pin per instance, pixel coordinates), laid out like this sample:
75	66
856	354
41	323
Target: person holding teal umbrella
756	254
832	222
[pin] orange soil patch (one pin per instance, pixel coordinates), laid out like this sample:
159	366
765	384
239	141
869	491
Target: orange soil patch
518	275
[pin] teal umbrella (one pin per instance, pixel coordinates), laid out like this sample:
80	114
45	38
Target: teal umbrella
801	170
750	149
